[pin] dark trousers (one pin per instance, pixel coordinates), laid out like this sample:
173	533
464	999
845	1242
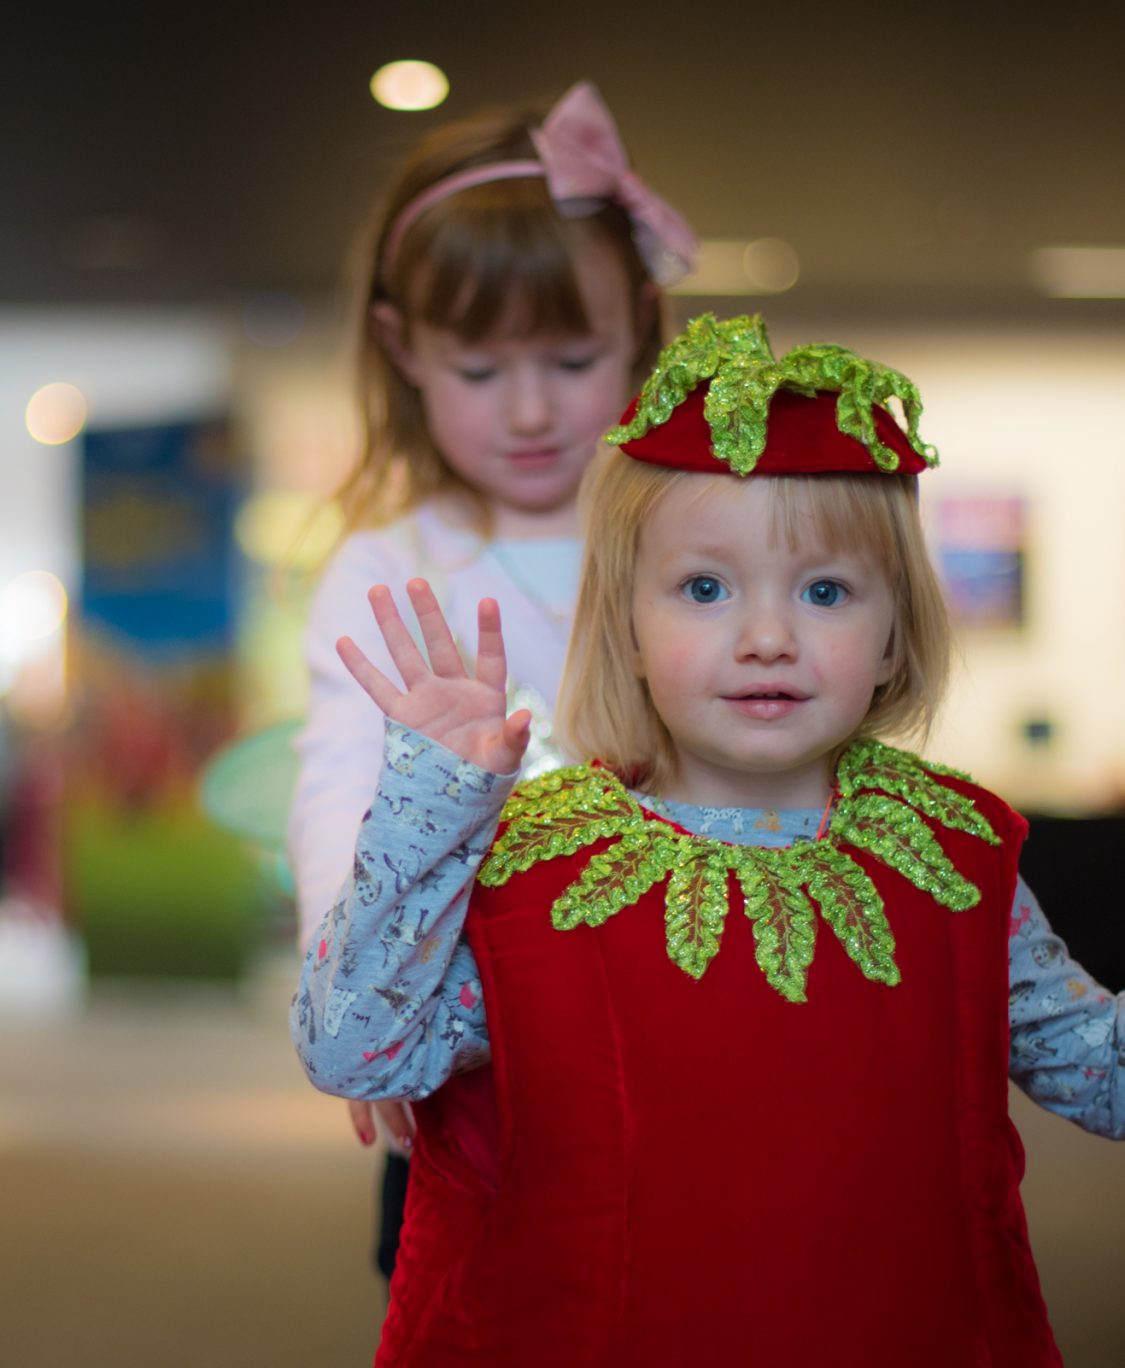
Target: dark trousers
391	1206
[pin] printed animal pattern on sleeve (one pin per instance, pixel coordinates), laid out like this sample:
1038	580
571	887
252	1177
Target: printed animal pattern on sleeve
1068	1032
389	1003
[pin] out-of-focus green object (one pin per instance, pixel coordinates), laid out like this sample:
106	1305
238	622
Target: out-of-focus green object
162	892
246	788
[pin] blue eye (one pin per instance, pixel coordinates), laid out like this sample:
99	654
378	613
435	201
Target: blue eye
475	376
705	589
824	593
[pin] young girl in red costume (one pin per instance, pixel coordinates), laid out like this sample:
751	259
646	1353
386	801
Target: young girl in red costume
748	899
511	306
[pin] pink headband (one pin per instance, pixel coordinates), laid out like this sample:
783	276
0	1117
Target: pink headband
584	163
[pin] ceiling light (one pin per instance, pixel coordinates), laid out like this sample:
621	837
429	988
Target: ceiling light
293	528
56	413
409	85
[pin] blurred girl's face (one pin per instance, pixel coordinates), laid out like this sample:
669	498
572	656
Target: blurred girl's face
518	418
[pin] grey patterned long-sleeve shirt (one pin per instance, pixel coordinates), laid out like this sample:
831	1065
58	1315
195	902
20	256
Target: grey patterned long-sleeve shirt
389	1003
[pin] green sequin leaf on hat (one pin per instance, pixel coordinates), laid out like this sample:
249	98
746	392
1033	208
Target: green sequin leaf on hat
694	356
734	356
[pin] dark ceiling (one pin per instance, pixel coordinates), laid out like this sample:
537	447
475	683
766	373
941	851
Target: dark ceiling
912	154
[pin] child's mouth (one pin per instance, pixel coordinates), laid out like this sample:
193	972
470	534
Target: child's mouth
536	459
766	704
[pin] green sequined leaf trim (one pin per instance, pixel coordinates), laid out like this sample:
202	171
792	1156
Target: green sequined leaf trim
735	357
851	906
884	798
898	836
783	922
872	765
614	879
695	906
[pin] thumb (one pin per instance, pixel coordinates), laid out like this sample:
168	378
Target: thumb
517	733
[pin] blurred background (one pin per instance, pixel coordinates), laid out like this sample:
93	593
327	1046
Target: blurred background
184	193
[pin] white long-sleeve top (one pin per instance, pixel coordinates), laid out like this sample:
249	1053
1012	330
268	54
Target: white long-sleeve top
341	745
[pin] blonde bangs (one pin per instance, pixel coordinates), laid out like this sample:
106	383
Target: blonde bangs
845	514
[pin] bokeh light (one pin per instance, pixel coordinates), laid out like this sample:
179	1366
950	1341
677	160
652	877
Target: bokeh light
56	413
409	85
771	265
32	606
286	527
733	266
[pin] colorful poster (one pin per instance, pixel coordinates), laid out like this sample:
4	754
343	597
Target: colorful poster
980	551
160	563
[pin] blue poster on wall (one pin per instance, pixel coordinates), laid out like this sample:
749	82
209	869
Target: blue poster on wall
160	562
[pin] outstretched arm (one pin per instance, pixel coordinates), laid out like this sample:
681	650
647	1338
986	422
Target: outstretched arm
389	1003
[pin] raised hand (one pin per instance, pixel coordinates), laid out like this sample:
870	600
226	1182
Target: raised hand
439	698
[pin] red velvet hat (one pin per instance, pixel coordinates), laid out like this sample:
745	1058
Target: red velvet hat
719	402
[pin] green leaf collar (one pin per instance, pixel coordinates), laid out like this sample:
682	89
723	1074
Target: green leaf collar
884	794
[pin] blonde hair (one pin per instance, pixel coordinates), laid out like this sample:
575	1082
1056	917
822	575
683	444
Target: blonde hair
460	266
605	709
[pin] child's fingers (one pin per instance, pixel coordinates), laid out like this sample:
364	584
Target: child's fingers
409	660
363	1121
396	1125
492	665
370	679
445	658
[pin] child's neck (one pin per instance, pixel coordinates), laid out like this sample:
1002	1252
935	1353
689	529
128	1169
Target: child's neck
791	790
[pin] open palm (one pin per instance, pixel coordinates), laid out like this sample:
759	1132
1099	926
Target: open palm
466	713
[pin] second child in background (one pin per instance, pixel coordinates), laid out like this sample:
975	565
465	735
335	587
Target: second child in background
512	302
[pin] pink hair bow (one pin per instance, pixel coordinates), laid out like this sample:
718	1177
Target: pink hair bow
584	160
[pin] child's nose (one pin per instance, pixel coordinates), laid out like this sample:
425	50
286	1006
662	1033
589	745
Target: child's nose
529	402
767	635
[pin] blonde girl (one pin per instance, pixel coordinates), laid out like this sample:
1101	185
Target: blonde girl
749	900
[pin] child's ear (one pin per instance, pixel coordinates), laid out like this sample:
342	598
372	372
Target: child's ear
891	661
636	660
390	328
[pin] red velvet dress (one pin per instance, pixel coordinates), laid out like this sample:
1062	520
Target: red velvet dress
662	1170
